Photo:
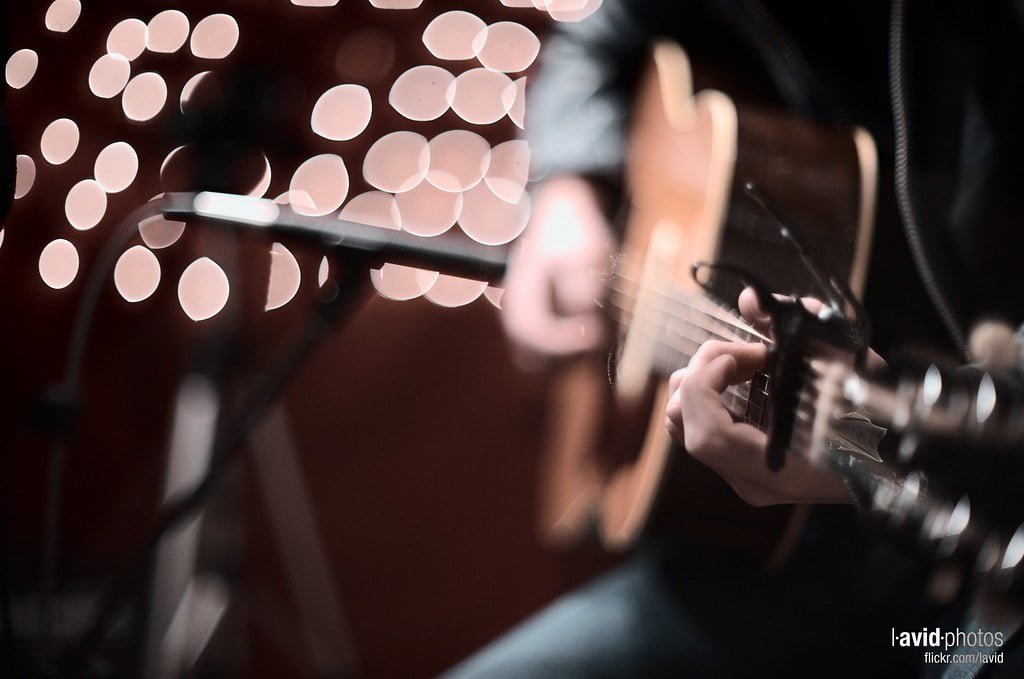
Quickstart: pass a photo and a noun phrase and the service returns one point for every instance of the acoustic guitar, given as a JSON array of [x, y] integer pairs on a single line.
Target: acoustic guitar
[[610, 465]]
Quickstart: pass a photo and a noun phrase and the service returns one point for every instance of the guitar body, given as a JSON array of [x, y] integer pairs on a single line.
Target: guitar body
[[610, 464]]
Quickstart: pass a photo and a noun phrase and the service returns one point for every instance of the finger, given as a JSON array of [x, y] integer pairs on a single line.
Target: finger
[[752, 312], [749, 357], [675, 431], [673, 409], [577, 289], [874, 362], [715, 375], [535, 328], [750, 309], [812, 304], [676, 378]]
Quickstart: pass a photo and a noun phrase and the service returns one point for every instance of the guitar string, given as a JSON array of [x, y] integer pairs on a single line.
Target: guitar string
[[676, 294], [728, 328], [679, 355], [670, 355], [697, 302], [738, 395], [676, 351], [719, 331], [677, 308]]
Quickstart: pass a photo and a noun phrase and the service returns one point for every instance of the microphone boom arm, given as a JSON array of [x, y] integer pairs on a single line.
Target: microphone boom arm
[[448, 254]]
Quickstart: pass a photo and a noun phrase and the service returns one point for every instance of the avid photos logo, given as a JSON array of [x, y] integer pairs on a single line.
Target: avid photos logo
[[972, 646]]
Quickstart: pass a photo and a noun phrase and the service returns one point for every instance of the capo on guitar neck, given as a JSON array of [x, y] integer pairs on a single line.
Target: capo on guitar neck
[[840, 324]]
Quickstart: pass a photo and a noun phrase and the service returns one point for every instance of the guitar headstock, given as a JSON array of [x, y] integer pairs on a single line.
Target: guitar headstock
[[952, 480]]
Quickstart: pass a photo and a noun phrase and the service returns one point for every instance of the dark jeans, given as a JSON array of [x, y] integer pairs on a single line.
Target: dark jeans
[[677, 610]]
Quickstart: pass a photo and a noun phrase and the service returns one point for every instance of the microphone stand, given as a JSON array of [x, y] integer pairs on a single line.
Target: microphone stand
[[364, 247]]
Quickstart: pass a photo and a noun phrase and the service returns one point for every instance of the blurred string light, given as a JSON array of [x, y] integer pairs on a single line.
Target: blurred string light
[[285, 277], [427, 187], [137, 274], [26, 175], [62, 15], [342, 112], [116, 167], [59, 141]]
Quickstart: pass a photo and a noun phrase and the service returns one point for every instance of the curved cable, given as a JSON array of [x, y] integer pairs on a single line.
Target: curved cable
[[901, 172]]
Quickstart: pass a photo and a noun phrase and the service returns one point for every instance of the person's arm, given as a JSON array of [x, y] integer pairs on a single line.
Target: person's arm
[[578, 107], [577, 119]]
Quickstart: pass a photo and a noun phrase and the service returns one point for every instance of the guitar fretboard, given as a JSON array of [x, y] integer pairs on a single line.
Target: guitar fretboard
[[682, 322]]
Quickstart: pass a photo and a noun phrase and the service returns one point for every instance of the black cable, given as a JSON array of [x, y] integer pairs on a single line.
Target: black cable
[[59, 409], [902, 179], [225, 451]]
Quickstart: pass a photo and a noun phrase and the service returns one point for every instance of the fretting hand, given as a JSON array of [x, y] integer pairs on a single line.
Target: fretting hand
[[697, 418]]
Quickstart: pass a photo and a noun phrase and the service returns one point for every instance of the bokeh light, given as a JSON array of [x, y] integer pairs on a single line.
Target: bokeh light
[[178, 169], [261, 187], [158, 232], [285, 277], [572, 10], [127, 38], [116, 167], [59, 141], [509, 170], [144, 96], [203, 289], [506, 46], [421, 92], [324, 180], [458, 160], [396, 4], [189, 88], [109, 75], [402, 283], [375, 208], [167, 31], [427, 210], [215, 37], [451, 35], [423, 187], [86, 204], [25, 175], [494, 295], [323, 272], [62, 15], [476, 96], [488, 219], [21, 67], [451, 291], [342, 112], [513, 98], [397, 162], [136, 274], [58, 264]]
